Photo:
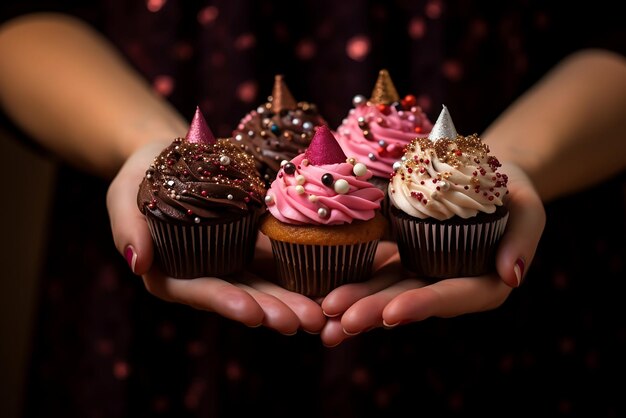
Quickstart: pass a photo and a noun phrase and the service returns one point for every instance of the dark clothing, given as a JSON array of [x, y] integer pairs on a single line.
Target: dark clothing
[[104, 347]]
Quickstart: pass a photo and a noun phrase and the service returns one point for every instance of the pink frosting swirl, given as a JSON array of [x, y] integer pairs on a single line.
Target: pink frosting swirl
[[299, 195], [378, 134]]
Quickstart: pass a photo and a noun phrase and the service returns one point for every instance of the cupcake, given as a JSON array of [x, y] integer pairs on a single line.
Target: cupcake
[[378, 129], [447, 201], [324, 222], [202, 198], [277, 130]]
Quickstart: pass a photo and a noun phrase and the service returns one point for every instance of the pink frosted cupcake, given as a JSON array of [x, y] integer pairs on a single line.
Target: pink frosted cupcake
[[448, 207], [202, 198], [378, 129], [324, 222]]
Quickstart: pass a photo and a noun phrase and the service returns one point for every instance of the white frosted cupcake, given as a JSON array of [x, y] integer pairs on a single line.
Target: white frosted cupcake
[[448, 204]]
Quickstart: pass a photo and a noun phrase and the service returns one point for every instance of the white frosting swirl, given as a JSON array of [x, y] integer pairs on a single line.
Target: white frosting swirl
[[451, 177]]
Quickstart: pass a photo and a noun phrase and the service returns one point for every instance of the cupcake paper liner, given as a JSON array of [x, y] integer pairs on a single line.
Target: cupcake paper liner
[[188, 251], [439, 250], [314, 270]]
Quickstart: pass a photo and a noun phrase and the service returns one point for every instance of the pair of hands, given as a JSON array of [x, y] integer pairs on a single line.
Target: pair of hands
[[391, 297]]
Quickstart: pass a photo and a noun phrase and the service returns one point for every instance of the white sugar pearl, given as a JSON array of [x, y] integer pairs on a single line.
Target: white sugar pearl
[[322, 212], [224, 160], [342, 186], [300, 179], [299, 189], [359, 169]]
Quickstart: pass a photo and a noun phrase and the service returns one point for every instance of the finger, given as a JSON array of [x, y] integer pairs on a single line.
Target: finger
[[332, 334], [128, 226], [446, 298], [526, 222], [341, 298], [385, 252], [309, 313], [277, 315], [207, 293], [367, 313]]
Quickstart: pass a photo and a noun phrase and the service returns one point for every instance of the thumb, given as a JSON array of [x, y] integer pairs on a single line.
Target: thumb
[[128, 225], [527, 219]]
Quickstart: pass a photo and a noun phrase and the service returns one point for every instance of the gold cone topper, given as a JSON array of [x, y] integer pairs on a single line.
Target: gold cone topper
[[281, 96], [384, 91]]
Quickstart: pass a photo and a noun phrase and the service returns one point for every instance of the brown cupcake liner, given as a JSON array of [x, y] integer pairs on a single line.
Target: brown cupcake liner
[[315, 270], [188, 251], [438, 250]]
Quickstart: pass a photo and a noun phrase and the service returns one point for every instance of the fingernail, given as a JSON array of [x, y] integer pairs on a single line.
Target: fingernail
[[386, 325], [131, 257], [289, 334], [330, 315], [332, 345], [350, 334], [518, 268]]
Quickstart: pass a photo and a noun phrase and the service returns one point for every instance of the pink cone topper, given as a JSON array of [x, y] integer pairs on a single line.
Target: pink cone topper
[[199, 131], [324, 148]]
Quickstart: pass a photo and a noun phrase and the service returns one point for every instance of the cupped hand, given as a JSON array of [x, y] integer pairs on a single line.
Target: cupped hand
[[394, 296], [245, 298]]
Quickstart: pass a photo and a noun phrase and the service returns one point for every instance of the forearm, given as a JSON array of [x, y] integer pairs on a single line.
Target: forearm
[[568, 131], [69, 89]]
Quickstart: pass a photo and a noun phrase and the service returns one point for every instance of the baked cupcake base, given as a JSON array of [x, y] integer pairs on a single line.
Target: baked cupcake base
[[455, 247], [313, 260]]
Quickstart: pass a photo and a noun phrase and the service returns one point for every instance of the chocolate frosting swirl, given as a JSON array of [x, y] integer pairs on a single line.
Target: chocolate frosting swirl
[[273, 137], [200, 183]]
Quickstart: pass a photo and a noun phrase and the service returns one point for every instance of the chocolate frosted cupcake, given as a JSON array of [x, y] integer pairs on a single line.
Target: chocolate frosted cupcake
[[277, 130], [377, 129], [202, 199], [324, 222], [447, 204]]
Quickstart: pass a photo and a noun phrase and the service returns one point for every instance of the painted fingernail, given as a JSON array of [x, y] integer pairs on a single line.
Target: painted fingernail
[[518, 268], [131, 257]]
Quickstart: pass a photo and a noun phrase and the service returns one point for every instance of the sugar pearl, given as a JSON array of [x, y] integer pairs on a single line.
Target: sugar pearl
[[299, 189], [322, 212], [224, 160], [359, 169], [300, 179], [312, 198], [396, 166], [269, 199], [358, 100], [342, 186]]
